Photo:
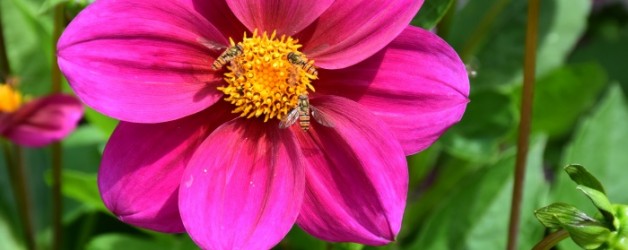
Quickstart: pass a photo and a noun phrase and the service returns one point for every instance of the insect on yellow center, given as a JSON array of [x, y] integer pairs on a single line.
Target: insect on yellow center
[[265, 75], [10, 99]]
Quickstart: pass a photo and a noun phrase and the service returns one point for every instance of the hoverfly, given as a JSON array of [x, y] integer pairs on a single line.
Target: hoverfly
[[302, 113], [296, 60], [227, 56]]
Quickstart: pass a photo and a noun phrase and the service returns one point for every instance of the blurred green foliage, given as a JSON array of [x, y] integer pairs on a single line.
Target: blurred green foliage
[[460, 188]]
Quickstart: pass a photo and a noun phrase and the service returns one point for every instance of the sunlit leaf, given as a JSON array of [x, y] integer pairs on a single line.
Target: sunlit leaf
[[431, 13]]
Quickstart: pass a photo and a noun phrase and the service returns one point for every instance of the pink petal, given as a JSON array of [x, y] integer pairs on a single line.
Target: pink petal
[[353, 30], [219, 14], [244, 187], [356, 179], [142, 166], [141, 61], [418, 85], [43, 121], [286, 16]]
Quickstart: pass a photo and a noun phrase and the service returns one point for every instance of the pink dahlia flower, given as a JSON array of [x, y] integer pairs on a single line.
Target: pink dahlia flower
[[204, 144], [38, 122]]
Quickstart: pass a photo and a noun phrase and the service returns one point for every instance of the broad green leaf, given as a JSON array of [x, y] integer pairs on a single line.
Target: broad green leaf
[[599, 143], [82, 187], [489, 118], [581, 176], [562, 95], [557, 215], [492, 32], [28, 37], [474, 216], [431, 13]]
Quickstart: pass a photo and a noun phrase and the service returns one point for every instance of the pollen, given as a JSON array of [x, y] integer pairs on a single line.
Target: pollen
[[10, 99], [261, 80]]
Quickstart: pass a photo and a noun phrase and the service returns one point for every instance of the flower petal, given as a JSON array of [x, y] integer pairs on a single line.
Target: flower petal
[[141, 61], [43, 121], [142, 166], [356, 179], [353, 30], [286, 16], [219, 14], [243, 188], [417, 85]]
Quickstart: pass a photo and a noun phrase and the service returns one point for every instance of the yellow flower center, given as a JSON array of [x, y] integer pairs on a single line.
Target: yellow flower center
[[10, 99], [265, 75]]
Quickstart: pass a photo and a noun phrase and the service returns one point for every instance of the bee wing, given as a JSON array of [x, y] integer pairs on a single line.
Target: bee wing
[[290, 119], [321, 118], [213, 45]]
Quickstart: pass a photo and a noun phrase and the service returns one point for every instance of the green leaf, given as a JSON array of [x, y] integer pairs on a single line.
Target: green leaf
[[81, 187], [479, 133], [299, 240], [104, 123], [431, 13], [473, 215], [497, 44], [588, 236], [28, 38], [606, 44], [600, 144], [581, 176], [562, 95], [602, 203], [559, 214]]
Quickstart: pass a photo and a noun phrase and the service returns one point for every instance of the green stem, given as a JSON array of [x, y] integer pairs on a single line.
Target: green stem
[[526, 119], [5, 68], [15, 166], [551, 240], [57, 157], [482, 30]]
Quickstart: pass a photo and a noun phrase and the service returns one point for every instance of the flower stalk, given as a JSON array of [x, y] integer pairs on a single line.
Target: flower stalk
[[57, 201], [551, 240], [15, 166], [525, 121]]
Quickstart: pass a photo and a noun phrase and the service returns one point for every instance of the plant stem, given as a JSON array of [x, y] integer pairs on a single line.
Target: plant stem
[[525, 121], [57, 157], [15, 166], [5, 68], [551, 240]]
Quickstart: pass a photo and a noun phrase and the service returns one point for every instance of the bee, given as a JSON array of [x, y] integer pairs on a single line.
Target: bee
[[302, 113], [227, 56], [303, 64]]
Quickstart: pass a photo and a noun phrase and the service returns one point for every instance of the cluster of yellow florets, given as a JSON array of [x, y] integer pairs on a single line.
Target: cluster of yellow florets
[[261, 81]]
